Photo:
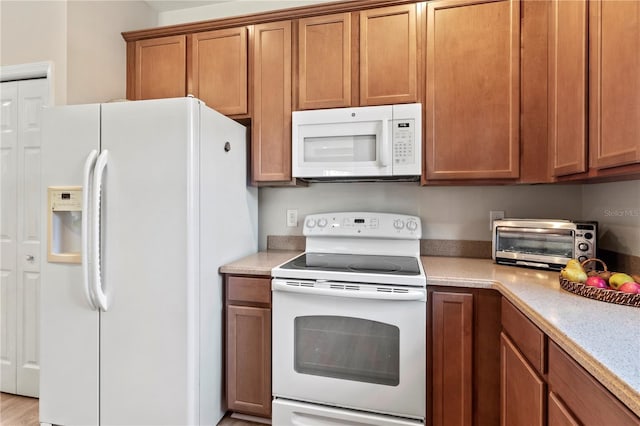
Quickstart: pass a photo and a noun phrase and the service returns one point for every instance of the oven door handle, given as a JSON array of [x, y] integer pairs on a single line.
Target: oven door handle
[[404, 296]]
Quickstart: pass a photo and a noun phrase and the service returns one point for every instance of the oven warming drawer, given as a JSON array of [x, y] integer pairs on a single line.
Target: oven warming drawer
[[303, 414]]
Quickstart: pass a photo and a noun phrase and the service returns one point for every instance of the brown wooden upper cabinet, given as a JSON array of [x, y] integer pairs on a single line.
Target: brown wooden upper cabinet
[[568, 46], [388, 55], [472, 89], [210, 65], [614, 83], [160, 68], [271, 116], [385, 40], [324, 61], [219, 69]]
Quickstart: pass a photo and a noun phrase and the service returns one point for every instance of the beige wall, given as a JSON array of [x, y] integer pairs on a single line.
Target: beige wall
[[35, 31], [616, 207], [230, 8], [96, 52], [462, 212], [81, 38], [450, 213]]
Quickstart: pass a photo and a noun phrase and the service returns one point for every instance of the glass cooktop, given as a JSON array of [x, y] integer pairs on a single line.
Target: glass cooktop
[[371, 264]]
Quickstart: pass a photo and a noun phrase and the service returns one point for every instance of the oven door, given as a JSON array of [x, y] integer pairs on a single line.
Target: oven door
[[359, 346]]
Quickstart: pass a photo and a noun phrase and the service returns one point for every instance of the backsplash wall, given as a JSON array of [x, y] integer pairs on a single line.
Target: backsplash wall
[[448, 213], [616, 207]]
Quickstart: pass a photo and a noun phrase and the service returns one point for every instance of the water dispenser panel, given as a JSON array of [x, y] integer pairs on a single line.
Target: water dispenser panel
[[65, 224]]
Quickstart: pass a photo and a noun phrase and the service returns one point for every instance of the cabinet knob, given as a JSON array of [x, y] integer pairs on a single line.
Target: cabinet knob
[[30, 258]]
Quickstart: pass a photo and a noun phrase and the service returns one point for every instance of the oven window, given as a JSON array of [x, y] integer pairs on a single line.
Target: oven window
[[347, 348], [549, 243]]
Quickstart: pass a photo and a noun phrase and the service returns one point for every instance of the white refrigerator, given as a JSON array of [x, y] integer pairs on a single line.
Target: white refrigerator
[[133, 335]]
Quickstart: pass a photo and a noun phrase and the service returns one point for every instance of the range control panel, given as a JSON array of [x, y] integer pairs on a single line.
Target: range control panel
[[361, 224]]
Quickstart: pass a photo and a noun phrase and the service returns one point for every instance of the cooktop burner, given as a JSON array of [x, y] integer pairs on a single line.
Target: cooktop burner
[[389, 265]]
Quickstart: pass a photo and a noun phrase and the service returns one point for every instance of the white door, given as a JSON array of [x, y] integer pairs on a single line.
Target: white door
[[20, 234], [148, 335], [70, 326]]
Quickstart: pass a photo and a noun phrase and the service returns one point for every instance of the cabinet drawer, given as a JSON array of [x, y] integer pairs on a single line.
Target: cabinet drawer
[[529, 338], [584, 395], [249, 290]]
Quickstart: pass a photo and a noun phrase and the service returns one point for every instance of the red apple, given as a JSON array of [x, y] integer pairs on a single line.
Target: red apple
[[630, 287], [596, 282]]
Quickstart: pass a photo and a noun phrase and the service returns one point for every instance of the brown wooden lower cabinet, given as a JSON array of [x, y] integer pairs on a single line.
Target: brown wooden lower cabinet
[[590, 402], [542, 385], [523, 391], [558, 413], [463, 359], [248, 345]]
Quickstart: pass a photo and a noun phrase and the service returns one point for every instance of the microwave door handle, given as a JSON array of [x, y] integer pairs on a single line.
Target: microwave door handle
[[385, 150], [353, 294]]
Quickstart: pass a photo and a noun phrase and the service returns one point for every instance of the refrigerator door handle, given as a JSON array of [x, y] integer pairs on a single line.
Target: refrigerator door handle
[[98, 291], [85, 254]]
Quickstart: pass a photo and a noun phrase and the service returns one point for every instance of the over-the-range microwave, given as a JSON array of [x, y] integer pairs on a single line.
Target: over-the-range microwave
[[377, 142]]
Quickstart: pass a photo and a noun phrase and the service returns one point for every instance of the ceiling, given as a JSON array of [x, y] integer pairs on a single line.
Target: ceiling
[[166, 5]]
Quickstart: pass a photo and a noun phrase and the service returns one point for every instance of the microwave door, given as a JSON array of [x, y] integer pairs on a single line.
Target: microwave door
[[342, 150]]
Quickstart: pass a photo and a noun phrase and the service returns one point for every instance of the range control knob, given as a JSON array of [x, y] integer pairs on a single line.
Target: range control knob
[[412, 225], [311, 223], [583, 246], [322, 222], [398, 224]]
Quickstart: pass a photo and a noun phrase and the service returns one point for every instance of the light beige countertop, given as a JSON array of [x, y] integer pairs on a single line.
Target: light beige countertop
[[604, 338], [259, 263]]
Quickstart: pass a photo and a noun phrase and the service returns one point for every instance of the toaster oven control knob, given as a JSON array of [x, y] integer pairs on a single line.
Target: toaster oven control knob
[[582, 258], [583, 246], [412, 225], [588, 235], [311, 223], [398, 224], [322, 222]]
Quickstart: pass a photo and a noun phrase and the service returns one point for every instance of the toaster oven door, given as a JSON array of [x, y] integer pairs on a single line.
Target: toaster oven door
[[542, 247]]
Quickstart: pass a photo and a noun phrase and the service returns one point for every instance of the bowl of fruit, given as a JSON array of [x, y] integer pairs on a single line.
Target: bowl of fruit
[[599, 283]]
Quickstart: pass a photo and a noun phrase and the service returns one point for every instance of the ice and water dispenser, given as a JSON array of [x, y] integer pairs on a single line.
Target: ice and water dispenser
[[64, 224]]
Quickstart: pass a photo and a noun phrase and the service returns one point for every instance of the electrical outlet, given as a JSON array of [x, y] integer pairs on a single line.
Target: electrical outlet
[[495, 215], [292, 218]]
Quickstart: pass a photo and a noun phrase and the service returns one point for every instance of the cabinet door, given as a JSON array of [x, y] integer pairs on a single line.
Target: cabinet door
[[558, 413], [160, 68], [249, 360], [590, 402], [473, 89], [522, 391], [452, 331], [271, 121], [614, 116], [324, 61], [219, 69], [388, 55], [568, 40]]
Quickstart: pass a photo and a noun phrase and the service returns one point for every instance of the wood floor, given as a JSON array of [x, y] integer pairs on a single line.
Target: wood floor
[[22, 411], [18, 410]]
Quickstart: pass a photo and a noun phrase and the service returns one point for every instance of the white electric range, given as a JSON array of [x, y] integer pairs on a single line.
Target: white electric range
[[349, 323]]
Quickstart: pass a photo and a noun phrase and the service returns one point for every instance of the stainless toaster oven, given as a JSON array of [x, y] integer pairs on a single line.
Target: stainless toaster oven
[[542, 243]]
